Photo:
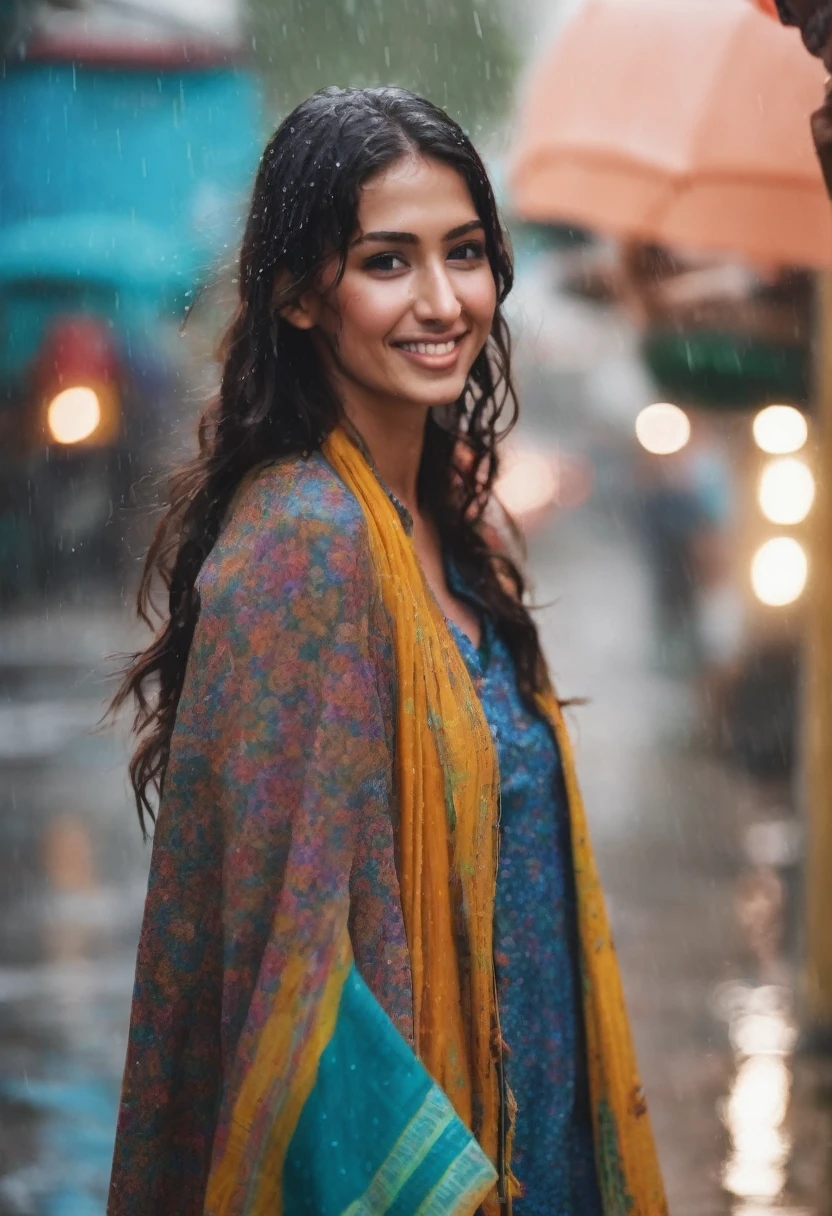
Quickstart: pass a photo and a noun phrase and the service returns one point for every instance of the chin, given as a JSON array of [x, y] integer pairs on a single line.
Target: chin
[[430, 396]]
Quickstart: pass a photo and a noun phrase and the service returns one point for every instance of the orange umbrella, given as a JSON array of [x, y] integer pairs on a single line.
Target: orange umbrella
[[684, 123]]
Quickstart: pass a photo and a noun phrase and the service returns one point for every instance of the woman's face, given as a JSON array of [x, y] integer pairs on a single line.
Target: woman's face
[[415, 305]]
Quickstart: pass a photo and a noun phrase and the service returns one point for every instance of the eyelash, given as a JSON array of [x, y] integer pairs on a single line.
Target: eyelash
[[375, 263], [477, 248]]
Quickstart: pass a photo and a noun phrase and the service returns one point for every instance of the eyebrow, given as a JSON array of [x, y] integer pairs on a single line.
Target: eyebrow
[[410, 238]]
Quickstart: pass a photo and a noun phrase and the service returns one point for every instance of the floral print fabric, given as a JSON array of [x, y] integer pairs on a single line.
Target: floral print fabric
[[275, 825]]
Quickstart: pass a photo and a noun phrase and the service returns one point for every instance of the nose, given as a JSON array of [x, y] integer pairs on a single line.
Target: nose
[[437, 303]]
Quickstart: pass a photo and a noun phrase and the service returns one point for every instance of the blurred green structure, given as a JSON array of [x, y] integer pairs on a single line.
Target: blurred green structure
[[460, 53], [721, 370]]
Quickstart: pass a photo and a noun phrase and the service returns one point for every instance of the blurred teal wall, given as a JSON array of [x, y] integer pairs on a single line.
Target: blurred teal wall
[[119, 188]]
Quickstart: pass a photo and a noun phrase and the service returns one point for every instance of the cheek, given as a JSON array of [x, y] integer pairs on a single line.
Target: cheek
[[369, 312], [479, 299]]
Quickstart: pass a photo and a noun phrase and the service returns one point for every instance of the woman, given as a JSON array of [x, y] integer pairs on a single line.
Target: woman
[[341, 990]]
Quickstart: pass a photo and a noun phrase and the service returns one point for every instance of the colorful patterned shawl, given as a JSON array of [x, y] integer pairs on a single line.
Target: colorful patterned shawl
[[321, 895]]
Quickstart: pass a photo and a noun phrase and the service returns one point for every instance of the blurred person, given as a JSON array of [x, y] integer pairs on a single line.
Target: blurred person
[[373, 922], [814, 20], [684, 511], [672, 516], [822, 135]]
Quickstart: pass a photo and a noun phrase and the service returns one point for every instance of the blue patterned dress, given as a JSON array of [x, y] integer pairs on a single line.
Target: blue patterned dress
[[536, 946]]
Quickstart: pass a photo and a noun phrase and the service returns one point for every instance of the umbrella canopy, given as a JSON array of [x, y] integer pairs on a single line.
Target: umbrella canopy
[[682, 123]]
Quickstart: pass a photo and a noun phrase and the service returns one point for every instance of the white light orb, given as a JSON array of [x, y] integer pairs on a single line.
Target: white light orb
[[780, 429], [778, 571], [662, 428], [786, 490]]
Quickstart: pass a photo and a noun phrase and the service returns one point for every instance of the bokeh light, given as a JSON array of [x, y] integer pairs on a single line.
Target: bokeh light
[[780, 429], [662, 428], [786, 490], [74, 415], [529, 483], [778, 571]]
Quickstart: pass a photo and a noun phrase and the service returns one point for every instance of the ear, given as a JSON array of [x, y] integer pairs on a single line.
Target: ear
[[301, 311]]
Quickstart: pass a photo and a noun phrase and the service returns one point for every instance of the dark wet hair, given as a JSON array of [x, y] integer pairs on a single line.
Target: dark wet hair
[[276, 400]]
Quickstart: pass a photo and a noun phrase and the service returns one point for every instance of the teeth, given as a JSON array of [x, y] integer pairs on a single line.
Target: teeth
[[430, 348]]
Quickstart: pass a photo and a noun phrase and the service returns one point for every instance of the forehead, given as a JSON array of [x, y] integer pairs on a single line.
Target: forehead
[[415, 194]]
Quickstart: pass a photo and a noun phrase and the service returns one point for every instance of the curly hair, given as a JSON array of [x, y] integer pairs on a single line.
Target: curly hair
[[275, 399]]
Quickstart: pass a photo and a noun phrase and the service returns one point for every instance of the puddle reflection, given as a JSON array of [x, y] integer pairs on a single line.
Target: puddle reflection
[[755, 1112]]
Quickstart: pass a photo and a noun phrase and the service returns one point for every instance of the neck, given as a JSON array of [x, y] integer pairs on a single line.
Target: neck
[[394, 432]]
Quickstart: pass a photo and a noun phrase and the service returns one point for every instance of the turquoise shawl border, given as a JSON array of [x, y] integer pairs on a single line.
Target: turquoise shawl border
[[377, 1134]]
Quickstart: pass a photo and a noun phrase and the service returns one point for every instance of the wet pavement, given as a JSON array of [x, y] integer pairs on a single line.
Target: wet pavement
[[72, 876], [697, 859], [699, 866]]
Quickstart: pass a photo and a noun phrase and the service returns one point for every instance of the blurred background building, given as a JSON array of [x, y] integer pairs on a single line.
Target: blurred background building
[[669, 472]]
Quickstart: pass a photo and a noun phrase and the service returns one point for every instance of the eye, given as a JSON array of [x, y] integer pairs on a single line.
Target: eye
[[469, 251], [385, 262]]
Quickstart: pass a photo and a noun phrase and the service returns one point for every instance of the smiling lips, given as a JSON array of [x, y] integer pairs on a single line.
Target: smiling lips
[[439, 355]]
